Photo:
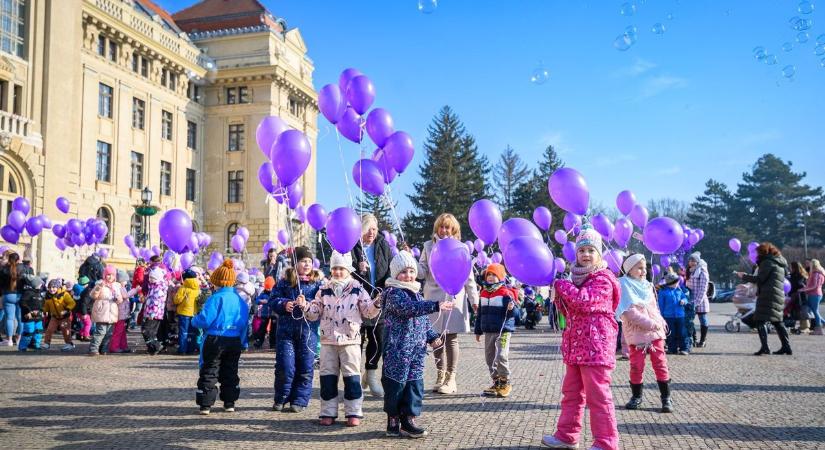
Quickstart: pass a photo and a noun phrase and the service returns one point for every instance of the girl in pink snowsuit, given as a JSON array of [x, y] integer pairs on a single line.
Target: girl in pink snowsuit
[[589, 303]]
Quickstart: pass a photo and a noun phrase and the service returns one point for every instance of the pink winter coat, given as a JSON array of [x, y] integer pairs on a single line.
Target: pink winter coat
[[643, 324], [590, 336], [341, 317]]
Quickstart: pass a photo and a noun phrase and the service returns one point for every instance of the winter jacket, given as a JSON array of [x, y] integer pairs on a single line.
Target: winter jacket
[[246, 291], [672, 302], [590, 336], [643, 324], [697, 283], [224, 314], [139, 276], [262, 304], [155, 300], [292, 324], [383, 256], [76, 291], [275, 270], [797, 292], [460, 318], [407, 332], [493, 316], [86, 301], [92, 268], [106, 302], [23, 271], [186, 297], [814, 285], [341, 317], [59, 305], [31, 307], [770, 288]]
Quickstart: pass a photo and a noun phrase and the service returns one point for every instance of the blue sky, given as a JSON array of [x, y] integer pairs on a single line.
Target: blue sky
[[660, 119]]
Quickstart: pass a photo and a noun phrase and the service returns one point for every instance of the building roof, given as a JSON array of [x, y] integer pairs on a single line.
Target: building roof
[[150, 7], [211, 15]]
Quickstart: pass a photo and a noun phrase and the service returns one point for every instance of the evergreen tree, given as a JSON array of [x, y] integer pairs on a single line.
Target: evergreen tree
[[711, 212], [452, 177], [379, 207], [508, 174]]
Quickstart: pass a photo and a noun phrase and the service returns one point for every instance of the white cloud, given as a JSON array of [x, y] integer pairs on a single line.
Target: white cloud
[[639, 67], [669, 171], [658, 84]]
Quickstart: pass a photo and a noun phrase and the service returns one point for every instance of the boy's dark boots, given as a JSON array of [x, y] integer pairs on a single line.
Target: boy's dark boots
[[393, 426], [636, 399], [763, 338], [410, 429], [664, 390], [703, 333]]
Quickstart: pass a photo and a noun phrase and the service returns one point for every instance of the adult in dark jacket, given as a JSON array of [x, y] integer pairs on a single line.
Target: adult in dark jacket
[[92, 268], [371, 258], [770, 298], [13, 280]]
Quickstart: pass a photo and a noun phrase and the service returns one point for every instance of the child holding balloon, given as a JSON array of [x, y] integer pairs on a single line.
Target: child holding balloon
[[496, 323], [589, 300]]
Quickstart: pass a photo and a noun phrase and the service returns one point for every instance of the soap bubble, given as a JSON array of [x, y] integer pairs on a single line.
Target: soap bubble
[[820, 39], [794, 21], [627, 9], [803, 24], [770, 60], [427, 6], [789, 71], [822, 62], [805, 7], [669, 16], [658, 28], [759, 53], [802, 37], [623, 42], [819, 50], [751, 209], [540, 75], [787, 47]]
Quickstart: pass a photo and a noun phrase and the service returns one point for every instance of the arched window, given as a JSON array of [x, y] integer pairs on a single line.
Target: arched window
[[136, 228], [230, 232], [9, 188], [104, 215]]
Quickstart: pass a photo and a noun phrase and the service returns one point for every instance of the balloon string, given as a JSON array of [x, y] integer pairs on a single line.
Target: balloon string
[[388, 199]]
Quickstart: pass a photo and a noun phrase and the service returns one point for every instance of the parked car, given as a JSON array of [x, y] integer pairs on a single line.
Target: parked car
[[725, 296]]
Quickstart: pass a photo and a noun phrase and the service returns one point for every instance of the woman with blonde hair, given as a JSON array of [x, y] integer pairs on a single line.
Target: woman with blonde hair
[[814, 290], [458, 321]]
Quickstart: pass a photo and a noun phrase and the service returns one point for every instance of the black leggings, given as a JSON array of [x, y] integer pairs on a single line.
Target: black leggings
[[374, 337]]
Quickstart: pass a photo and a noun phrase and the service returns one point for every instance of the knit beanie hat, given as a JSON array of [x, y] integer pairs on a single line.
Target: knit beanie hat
[[224, 275], [122, 276], [110, 269], [589, 236], [302, 253], [188, 273], [631, 261], [343, 261], [83, 281], [56, 283], [671, 278], [269, 283], [497, 270], [695, 256], [242, 277], [401, 261]]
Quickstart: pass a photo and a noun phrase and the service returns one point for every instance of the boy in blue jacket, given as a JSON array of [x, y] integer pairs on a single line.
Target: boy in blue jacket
[[496, 323], [224, 319], [672, 301]]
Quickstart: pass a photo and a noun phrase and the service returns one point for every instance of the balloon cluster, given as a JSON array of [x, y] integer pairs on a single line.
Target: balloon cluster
[[735, 245], [175, 228], [16, 222], [288, 154], [78, 233]]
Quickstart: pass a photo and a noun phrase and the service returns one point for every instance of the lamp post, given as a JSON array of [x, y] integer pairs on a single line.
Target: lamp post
[[805, 230], [145, 210]]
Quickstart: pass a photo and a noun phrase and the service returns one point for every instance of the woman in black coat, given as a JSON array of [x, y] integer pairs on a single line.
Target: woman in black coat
[[770, 298]]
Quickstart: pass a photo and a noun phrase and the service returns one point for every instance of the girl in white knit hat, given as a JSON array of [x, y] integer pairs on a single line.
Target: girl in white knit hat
[[341, 303]]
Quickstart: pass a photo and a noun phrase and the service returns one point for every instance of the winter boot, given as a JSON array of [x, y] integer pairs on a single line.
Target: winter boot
[[664, 390], [493, 389], [393, 427], [449, 386], [439, 381], [410, 429], [785, 339], [763, 338], [376, 390], [636, 399], [703, 333], [504, 387]]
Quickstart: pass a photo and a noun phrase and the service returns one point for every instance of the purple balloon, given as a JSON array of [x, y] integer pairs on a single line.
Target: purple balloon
[[639, 216], [75, 226], [268, 132], [100, 230], [625, 201], [300, 214], [192, 246], [175, 229], [345, 77], [568, 190], [786, 286], [663, 235], [542, 218], [47, 223], [569, 251], [380, 126], [331, 102], [469, 245], [367, 175], [560, 236], [497, 258], [485, 220], [735, 245], [266, 176], [656, 269], [530, 262], [515, 228], [154, 251], [602, 224], [392, 240], [343, 229], [360, 93], [693, 238], [664, 260], [62, 204], [753, 257], [416, 252], [317, 217], [571, 221], [450, 264], [478, 245], [269, 245], [614, 260], [60, 244], [237, 243], [559, 265], [16, 220], [350, 126], [129, 240], [283, 237], [316, 264], [79, 239], [295, 195], [380, 158], [215, 261], [399, 150], [59, 231], [9, 234], [34, 226], [243, 232], [290, 156], [752, 246], [186, 260], [622, 231], [21, 204], [701, 233]]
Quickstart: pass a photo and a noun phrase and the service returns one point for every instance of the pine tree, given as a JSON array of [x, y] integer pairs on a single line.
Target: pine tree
[[508, 174], [711, 212], [378, 207], [452, 177]]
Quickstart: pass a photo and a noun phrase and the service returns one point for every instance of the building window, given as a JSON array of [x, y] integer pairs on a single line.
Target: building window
[[231, 96], [135, 62], [193, 91], [243, 94], [13, 29], [104, 101], [164, 76], [138, 113], [166, 125], [144, 67], [104, 215], [136, 228], [191, 135], [8, 190], [101, 45], [165, 178], [294, 107], [17, 100], [236, 139], [173, 81], [104, 161], [230, 232], [113, 51], [235, 186], [191, 181], [137, 170]]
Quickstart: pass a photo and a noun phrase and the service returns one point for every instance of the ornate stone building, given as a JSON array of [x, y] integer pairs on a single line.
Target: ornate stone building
[[100, 99]]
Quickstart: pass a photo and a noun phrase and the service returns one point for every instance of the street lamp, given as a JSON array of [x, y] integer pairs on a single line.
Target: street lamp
[[805, 230], [145, 210]]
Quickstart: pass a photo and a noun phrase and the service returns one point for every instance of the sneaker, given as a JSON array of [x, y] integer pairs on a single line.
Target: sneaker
[[410, 429], [229, 407], [393, 427], [4, 343], [205, 410], [278, 406], [684, 352], [294, 408], [326, 421], [552, 442], [43, 346], [504, 388], [93, 354], [492, 391], [67, 348], [353, 421]]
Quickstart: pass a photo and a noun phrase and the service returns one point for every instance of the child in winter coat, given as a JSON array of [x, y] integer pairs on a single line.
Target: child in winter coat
[[31, 313], [672, 301], [119, 342], [107, 294], [407, 332], [185, 300], [644, 330], [154, 308], [224, 318], [58, 305], [496, 322], [341, 303], [532, 308], [297, 336], [263, 317], [588, 301]]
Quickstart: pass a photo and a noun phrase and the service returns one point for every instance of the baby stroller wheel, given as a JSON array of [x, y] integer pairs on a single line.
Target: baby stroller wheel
[[730, 326]]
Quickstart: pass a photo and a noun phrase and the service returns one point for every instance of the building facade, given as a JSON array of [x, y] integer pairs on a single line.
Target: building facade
[[101, 99]]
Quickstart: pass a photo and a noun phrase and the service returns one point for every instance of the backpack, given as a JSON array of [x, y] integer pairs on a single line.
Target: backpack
[[92, 269]]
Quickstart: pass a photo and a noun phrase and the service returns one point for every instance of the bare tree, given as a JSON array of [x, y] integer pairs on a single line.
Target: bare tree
[[508, 173], [670, 207]]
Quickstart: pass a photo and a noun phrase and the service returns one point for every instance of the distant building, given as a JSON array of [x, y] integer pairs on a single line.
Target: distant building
[[102, 98]]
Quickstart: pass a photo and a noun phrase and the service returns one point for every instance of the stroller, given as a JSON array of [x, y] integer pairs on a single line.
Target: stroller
[[744, 298]]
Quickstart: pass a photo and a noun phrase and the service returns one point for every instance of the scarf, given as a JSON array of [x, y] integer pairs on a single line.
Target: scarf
[[579, 273], [634, 292], [491, 287], [338, 286], [413, 286]]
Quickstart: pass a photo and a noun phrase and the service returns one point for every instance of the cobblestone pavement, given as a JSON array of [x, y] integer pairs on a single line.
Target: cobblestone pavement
[[725, 399]]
